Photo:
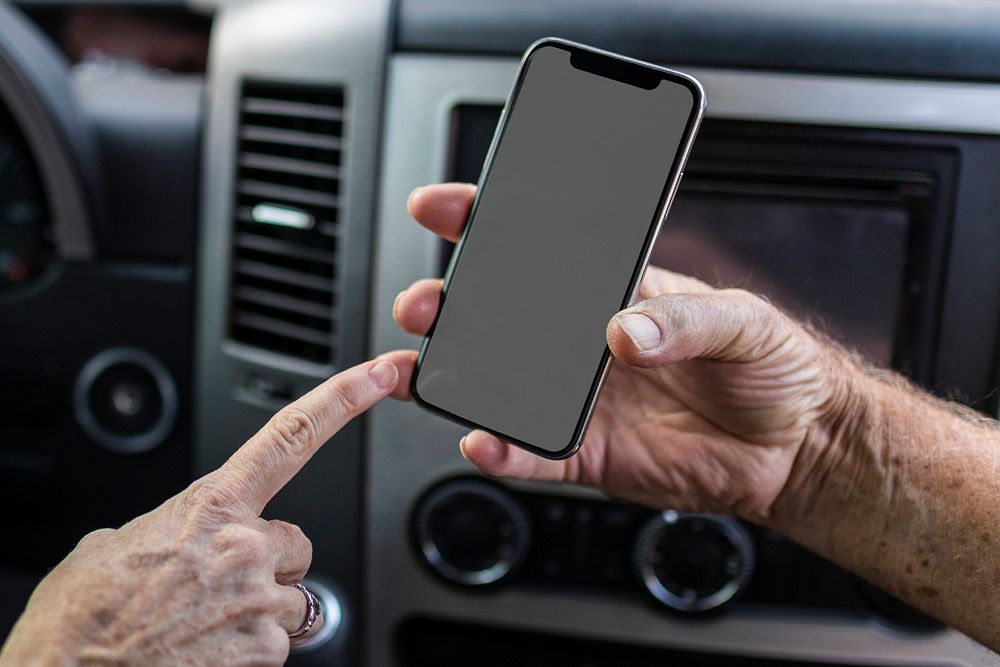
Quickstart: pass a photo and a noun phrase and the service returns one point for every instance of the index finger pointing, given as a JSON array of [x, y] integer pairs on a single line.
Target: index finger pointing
[[268, 460], [442, 208]]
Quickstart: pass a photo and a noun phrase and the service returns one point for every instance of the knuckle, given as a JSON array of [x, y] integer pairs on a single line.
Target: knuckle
[[253, 585], [260, 643], [96, 538], [760, 326], [749, 301], [197, 489], [307, 546], [757, 310], [737, 294], [293, 432], [293, 535], [270, 600], [198, 494], [351, 398], [672, 312], [241, 545], [212, 498], [744, 309], [272, 644]]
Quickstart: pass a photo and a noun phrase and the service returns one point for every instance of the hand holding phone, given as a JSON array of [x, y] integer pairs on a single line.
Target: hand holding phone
[[586, 159], [710, 415]]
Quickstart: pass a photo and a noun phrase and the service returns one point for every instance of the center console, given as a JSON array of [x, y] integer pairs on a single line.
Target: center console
[[479, 535]]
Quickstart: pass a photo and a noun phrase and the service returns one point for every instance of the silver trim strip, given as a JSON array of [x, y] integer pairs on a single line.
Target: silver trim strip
[[817, 99], [813, 99]]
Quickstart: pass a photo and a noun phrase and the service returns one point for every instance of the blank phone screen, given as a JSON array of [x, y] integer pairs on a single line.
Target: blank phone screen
[[553, 243]]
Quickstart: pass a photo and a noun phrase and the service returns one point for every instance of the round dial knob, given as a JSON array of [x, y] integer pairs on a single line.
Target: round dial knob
[[694, 562], [472, 532]]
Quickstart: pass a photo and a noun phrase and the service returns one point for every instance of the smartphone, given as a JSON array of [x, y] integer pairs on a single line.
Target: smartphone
[[585, 161]]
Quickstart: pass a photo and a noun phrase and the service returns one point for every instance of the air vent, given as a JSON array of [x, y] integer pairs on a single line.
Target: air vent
[[286, 233]]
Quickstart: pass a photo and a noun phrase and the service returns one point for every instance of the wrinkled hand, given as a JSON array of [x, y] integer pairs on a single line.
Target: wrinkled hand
[[202, 579], [716, 400]]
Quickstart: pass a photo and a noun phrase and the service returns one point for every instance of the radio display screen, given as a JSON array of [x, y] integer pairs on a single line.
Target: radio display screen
[[839, 266], [831, 254]]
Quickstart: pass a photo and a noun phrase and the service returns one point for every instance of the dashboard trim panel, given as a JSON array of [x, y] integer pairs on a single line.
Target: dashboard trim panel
[[329, 43]]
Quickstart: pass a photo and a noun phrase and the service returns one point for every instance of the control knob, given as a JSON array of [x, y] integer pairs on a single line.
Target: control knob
[[693, 563], [471, 531]]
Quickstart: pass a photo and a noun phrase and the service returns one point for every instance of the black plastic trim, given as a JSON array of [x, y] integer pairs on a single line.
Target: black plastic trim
[[937, 39]]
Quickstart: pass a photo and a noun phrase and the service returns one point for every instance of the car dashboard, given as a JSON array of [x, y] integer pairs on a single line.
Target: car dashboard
[[183, 253]]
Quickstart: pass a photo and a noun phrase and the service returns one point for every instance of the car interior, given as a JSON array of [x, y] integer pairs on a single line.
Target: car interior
[[203, 215]]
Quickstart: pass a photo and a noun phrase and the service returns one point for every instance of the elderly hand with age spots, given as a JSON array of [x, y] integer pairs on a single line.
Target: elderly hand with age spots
[[717, 401], [738, 390], [202, 579]]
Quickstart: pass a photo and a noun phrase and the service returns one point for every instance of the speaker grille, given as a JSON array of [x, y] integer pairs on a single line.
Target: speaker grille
[[286, 230]]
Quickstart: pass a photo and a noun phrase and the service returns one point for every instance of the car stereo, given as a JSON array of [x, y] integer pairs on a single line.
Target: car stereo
[[847, 236], [846, 229], [474, 533]]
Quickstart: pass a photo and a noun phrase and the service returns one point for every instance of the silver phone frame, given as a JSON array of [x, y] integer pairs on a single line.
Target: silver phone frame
[[676, 173]]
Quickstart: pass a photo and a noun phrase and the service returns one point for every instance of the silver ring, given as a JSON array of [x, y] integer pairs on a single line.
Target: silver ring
[[314, 612]]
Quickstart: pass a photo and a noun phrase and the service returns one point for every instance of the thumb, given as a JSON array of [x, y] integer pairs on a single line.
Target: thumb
[[724, 325]]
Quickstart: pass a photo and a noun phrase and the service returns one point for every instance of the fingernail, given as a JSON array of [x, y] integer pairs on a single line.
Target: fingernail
[[643, 331], [395, 302], [413, 195], [461, 447], [383, 374]]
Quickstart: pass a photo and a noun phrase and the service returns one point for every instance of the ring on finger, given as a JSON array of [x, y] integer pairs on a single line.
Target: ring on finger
[[313, 618]]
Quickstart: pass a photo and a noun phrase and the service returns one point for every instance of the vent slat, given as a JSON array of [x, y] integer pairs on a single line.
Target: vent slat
[[284, 295], [264, 190], [289, 137], [279, 107], [327, 229], [288, 165], [290, 276], [281, 328], [250, 241], [324, 227], [282, 302]]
